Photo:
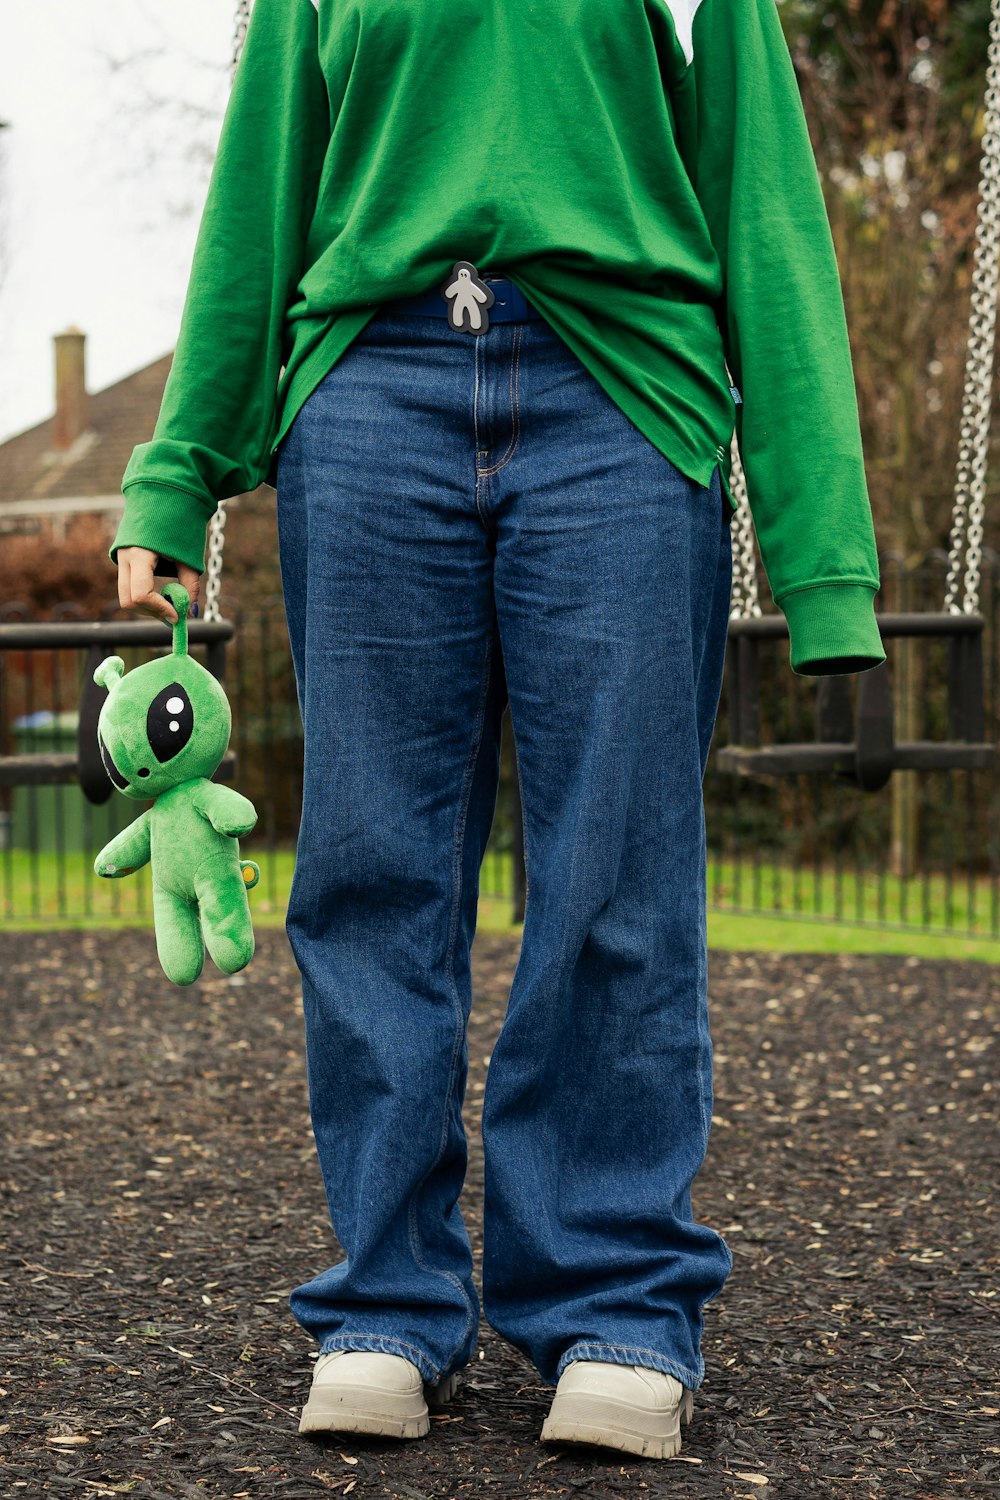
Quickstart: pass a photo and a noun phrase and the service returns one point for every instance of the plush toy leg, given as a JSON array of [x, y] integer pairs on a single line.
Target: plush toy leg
[[225, 916], [179, 942]]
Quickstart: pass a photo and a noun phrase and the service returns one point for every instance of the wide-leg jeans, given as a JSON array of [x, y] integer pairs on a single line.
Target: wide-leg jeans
[[465, 520]]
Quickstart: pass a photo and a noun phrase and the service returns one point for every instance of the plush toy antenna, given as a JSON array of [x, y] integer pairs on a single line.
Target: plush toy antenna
[[180, 599], [108, 672]]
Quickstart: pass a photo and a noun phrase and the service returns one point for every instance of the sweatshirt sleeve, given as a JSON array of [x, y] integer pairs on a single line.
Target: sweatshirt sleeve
[[214, 431], [745, 140]]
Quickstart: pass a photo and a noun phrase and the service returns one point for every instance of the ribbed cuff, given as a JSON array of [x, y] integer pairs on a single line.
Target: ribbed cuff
[[167, 520], [832, 629]]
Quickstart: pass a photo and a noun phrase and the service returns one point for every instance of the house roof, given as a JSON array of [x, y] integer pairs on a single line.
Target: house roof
[[116, 419]]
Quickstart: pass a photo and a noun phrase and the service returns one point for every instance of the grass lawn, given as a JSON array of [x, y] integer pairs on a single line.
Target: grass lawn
[[780, 910]]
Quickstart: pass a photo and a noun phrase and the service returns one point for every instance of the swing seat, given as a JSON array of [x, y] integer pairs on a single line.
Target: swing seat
[[855, 740]]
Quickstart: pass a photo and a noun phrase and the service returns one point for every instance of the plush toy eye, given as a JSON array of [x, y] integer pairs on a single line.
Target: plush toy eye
[[169, 722]]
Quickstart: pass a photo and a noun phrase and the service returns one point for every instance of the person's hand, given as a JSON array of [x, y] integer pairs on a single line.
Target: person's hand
[[136, 566]]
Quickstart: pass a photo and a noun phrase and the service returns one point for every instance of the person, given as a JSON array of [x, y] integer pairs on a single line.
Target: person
[[534, 509]]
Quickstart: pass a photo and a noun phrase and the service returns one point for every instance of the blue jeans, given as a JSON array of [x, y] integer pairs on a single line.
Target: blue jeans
[[461, 519]]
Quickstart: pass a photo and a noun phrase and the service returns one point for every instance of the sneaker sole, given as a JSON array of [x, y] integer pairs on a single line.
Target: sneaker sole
[[380, 1413], [580, 1417], [438, 1395]]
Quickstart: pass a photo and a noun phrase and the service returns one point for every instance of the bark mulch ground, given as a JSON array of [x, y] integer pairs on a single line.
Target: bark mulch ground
[[161, 1197]]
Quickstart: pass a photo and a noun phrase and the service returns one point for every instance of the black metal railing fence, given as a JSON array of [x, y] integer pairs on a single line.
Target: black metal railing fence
[[922, 853]]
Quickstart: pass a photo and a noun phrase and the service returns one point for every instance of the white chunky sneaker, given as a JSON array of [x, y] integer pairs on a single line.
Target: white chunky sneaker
[[619, 1406], [362, 1390]]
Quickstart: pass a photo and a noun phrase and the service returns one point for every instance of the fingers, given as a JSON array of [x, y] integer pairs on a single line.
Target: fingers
[[191, 579], [136, 590]]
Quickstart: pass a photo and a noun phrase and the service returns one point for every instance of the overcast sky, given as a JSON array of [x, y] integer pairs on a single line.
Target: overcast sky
[[114, 109]]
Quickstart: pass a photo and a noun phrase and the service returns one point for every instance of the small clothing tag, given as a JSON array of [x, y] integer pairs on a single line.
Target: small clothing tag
[[737, 398]]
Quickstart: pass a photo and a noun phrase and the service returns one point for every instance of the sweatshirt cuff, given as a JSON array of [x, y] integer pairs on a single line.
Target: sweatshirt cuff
[[167, 520], [832, 629]]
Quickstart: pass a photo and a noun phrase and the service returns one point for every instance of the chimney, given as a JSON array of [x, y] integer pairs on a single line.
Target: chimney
[[71, 388]]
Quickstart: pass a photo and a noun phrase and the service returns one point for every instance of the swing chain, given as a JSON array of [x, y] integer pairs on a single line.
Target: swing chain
[[744, 597], [969, 505], [970, 480], [216, 542], [239, 34], [216, 530]]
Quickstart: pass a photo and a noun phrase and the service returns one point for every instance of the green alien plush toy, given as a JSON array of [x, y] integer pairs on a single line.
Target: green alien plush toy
[[163, 731]]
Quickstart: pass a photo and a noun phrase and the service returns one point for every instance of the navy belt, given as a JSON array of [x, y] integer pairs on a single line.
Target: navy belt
[[470, 300]]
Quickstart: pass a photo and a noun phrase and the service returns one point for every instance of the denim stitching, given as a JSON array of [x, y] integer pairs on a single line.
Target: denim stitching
[[481, 487], [622, 1349], [704, 1073], [515, 409], [725, 541], [421, 1361], [524, 814], [475, 404], [457, 857], [482, 491]]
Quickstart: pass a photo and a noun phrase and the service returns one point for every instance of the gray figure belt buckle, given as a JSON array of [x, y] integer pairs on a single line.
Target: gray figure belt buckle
[[468, 298]]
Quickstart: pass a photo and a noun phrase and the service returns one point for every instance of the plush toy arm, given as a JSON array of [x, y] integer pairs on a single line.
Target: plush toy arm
[[127, 851], [227, 810]]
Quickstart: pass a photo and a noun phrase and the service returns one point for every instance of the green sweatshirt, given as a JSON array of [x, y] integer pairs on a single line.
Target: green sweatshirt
[[641, 169]]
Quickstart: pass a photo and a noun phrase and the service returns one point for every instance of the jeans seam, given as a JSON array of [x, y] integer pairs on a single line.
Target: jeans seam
[[524, 815], [482, 491], [515, 411], [482, 483], [382, 1338], [620, 1348], [475, 407], [458, 849], [705, 1068]]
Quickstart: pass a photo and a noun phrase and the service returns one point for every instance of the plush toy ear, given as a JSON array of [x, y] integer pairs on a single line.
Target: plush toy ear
[[109, 672]]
